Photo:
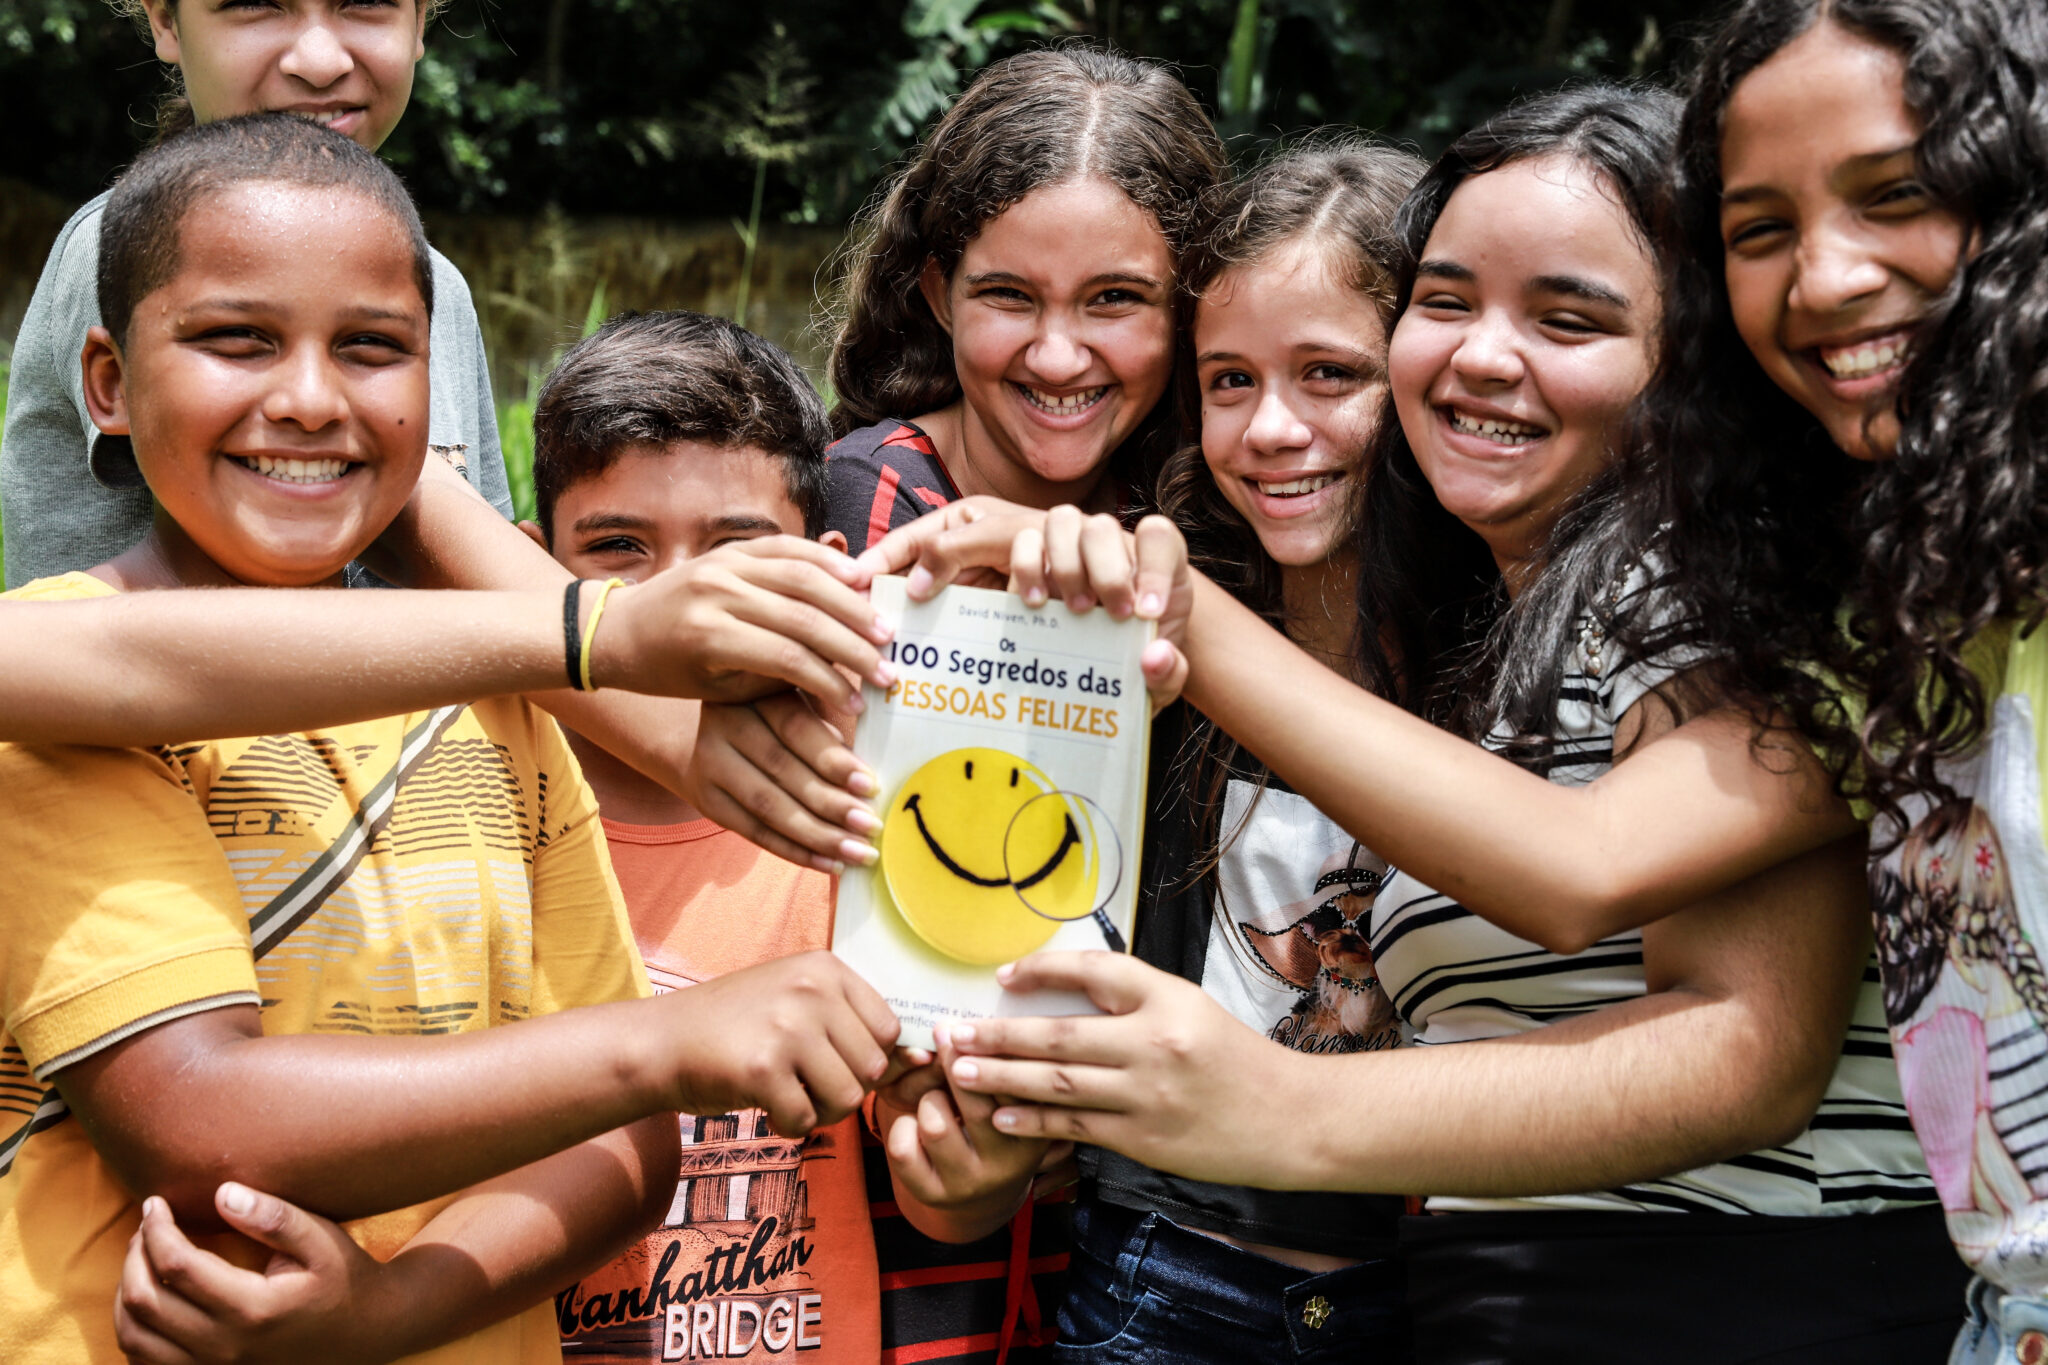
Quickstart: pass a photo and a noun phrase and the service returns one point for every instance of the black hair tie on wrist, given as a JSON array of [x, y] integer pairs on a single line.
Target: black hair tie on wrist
[[572, 631]]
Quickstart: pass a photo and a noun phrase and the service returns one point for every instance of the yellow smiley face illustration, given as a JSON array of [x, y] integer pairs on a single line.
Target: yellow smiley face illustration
[[973, 841]]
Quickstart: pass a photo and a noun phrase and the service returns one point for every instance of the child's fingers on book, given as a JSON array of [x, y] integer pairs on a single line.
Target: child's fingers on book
[[1115, 982], [907, 1159], [835, 1086], [811, 843], [1106, 559], [754, 650], [904, 1090], [801, 646], [801, 582], [1063, 527], [881, 1021], [1058, 1123], [814, 740], [1027, 566], [940, 1131], [974, 1109], [1073, 1084], [1162, 554], [801, 772]]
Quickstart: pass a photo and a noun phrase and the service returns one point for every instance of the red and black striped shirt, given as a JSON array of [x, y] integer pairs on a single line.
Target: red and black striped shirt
[[882, 477], [942, 1304]]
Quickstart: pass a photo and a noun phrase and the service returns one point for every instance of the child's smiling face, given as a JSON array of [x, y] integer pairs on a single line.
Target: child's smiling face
[[1528, 334], [347, 63], [1835, 251], [1291, 359], [1061, 314], [275, 387]]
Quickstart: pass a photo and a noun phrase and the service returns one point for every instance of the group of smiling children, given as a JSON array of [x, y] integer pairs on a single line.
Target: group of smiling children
[[1594, 572]]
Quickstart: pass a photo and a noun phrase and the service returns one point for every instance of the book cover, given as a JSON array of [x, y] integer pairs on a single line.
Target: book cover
[[1010, 758]]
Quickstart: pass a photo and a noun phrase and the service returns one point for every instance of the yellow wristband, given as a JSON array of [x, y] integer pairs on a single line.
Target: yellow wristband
[[590, 627]]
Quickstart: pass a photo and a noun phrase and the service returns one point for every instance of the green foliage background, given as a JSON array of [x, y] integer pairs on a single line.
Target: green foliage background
[[643, 106]]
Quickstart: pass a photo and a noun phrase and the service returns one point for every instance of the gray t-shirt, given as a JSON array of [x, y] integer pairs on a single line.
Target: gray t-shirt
[[70, 498]]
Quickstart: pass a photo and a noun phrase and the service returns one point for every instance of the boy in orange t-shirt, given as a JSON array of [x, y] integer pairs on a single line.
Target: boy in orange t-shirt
[[657, 438]]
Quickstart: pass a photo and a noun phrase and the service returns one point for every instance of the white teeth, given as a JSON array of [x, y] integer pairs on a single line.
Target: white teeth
[[1062, 403], [1495, 429], [1860, 362], [296, 471], [1295, 488]]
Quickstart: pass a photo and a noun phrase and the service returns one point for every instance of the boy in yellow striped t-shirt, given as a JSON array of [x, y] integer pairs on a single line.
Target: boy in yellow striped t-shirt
[[290, 961]]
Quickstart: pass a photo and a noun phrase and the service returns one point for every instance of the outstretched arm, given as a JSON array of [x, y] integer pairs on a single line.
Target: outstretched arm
[[493, 1251], [1729, 1053], [184, 665], [1690, 813], [449, 538], [351, 1126]]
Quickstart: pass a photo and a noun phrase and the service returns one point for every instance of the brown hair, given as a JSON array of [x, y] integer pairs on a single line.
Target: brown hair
[[658, 378], [1036, 119], [142, 226], [1341, 195]]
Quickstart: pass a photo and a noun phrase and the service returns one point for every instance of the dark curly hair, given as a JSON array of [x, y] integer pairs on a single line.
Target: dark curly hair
[[1768, 528], [1340, 193], [1036, 119], [1444, 639]]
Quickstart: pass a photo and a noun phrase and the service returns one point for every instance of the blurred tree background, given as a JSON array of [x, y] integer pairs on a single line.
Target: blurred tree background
[[580, 155]]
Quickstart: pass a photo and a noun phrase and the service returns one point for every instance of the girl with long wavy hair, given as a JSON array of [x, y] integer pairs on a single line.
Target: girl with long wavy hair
[[1007, 320], [1247, 889]]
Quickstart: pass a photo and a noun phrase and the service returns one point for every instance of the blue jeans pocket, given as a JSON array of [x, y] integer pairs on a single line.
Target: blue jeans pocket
[[1129, 1334]]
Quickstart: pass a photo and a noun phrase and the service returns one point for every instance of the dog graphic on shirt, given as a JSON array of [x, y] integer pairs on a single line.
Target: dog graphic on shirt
[[1325, 957]]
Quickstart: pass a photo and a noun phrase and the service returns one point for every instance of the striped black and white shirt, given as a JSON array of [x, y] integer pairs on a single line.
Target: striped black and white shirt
[[1455, 978]]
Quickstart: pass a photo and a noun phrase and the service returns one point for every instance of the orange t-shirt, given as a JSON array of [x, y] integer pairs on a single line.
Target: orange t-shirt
[[767, 1253]]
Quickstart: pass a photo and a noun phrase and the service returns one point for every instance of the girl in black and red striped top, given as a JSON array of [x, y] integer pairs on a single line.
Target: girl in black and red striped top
[[1009, 325]]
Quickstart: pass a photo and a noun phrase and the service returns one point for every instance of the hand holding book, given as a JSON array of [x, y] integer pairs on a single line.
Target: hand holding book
[[774, 772]]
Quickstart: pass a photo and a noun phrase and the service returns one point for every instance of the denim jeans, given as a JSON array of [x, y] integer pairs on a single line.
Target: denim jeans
[[1144, 1289], [2002, 1328]]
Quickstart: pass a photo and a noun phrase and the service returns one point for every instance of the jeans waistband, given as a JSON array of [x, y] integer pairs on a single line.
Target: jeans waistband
[[1229, 1282]]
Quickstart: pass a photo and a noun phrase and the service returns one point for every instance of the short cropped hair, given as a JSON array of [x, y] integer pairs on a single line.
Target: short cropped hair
[[656, 378], [142, 225]]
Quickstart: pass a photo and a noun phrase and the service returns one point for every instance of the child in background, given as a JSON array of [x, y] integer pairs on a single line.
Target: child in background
[[71, 494], [657, 439], [223, 957]]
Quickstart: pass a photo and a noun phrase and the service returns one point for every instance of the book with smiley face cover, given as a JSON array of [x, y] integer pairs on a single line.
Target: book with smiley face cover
[[1010, 758]]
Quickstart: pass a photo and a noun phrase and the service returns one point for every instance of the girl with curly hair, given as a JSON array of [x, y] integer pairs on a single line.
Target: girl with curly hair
[[1008, 315]]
